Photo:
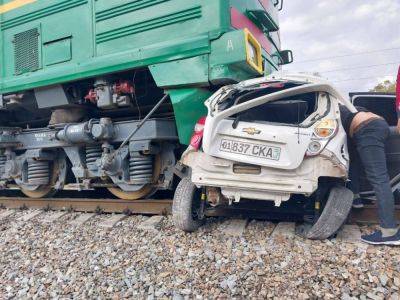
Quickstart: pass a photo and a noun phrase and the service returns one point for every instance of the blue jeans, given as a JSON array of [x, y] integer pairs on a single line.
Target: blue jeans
[[369, 153]]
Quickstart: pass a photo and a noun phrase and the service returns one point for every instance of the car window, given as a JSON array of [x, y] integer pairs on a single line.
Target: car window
[[251, 92], [385, 106], [294, 110]]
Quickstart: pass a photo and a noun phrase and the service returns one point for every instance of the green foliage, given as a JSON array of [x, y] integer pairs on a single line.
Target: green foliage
[[385, 87]]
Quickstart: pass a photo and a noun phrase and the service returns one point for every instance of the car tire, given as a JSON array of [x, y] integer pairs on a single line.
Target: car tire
[[334, 214], [186, 199]]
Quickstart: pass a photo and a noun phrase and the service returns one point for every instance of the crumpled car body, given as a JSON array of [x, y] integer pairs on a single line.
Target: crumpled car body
[[270, 138]]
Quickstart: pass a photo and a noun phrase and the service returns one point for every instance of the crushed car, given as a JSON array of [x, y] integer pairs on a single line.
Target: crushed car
[[269, 139]]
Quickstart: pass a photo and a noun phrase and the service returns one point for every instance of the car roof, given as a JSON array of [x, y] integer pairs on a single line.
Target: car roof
[[298, 78]]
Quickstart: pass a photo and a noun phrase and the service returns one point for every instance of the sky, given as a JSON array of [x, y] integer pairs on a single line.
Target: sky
[[318, 31]]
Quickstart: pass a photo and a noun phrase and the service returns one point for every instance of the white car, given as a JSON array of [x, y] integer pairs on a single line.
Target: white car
[[269, 139]]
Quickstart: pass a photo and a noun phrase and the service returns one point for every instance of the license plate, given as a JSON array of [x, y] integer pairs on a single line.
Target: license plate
[[250, 149]]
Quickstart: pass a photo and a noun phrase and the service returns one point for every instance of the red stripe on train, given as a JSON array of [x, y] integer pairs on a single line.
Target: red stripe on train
[[240, 21]]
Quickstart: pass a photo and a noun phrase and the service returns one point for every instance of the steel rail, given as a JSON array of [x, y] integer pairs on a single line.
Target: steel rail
[[146, 207], [366, 215]]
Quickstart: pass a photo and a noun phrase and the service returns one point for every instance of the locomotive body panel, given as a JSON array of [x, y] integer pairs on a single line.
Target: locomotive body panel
[[53, 41]]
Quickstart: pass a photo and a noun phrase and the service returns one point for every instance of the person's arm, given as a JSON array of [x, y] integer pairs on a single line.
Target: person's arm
[[398, 100]]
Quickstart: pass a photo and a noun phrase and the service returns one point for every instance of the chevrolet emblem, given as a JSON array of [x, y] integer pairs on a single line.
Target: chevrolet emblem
[[251, 131]]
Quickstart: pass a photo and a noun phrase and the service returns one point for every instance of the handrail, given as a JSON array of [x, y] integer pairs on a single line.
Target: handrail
[[280, 3]]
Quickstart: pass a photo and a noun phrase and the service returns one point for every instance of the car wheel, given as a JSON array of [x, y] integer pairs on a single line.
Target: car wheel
[[186, 207], [334, 214]]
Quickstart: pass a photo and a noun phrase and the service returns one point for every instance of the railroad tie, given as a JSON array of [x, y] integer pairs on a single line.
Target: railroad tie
[[7, 213], [53, 216], [349, 234], [234, 227], [29, 216], [284, 230], [151, 224], [112, 221], [82, 219]]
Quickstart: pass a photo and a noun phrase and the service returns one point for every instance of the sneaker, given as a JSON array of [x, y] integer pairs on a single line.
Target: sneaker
[[358, 203], [376, 238]]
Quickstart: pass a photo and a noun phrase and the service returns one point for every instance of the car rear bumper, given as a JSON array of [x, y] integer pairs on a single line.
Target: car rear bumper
[[262, 183]]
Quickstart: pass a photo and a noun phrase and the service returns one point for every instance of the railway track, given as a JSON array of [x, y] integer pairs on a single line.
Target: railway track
[[146, 207], [368, 214], [163, 207]]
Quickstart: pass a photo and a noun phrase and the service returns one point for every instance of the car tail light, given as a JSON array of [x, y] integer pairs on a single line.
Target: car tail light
[[325, 129], [314, 147], [197, 136]]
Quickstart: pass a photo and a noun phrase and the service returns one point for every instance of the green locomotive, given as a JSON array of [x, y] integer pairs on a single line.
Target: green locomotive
[[78, 76]]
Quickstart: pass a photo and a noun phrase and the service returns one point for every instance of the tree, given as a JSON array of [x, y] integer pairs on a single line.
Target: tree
[[385, 87]]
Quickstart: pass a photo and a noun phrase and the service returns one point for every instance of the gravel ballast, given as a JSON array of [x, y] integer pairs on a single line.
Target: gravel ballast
[[59, 260]]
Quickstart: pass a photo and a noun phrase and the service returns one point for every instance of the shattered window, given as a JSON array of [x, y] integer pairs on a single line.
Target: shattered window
[[293, 110]]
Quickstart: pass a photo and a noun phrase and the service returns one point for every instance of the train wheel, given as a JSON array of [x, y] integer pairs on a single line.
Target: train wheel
[[137, 195], [186, 206], [144, 192], [41, 192], [57, 173]]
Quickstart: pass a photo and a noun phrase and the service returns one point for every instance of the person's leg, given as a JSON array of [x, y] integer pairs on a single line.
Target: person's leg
[[370, 142], [354, 175], [374, 161]]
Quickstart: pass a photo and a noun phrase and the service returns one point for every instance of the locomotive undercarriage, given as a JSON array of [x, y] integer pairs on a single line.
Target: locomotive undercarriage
[[73, 138], [38, 160]]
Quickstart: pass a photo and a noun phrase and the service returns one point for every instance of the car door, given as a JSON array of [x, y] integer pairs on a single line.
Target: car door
[[385, 106]]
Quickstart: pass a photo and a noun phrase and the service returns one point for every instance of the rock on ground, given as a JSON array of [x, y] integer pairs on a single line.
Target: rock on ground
[[58, 260]]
